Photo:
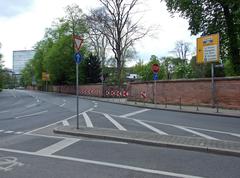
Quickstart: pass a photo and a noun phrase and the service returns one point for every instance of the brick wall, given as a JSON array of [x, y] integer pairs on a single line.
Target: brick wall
[[191, 92]]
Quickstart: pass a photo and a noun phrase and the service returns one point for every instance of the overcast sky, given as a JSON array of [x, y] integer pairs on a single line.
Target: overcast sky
[[23, 23]]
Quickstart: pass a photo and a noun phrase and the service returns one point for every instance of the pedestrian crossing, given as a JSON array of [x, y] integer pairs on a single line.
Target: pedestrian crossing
[[94, 119]]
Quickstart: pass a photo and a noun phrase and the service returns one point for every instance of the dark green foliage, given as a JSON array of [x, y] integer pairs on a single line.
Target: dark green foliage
[[213, 16], [93, 69]]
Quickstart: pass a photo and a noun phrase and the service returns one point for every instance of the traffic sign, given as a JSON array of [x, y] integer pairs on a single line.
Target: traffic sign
[[78, 41], [155, 76], [45, 76], [77, 57], [155, 68], [208, 49]]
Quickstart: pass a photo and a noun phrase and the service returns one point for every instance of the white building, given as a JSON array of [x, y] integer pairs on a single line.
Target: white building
[[20, 59]]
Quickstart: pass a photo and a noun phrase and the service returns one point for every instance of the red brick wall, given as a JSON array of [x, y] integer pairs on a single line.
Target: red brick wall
[[191, 92]]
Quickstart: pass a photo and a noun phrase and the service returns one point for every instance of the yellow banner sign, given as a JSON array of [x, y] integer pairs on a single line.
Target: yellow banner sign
[[45, 76], [208, 49]]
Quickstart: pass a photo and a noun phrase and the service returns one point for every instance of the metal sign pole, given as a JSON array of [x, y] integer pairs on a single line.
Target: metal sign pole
[[77, 94], [213, 87], [155, 91]]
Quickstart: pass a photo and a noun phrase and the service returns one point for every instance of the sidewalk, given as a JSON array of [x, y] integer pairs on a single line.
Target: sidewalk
[[146, 138], [188, 109]]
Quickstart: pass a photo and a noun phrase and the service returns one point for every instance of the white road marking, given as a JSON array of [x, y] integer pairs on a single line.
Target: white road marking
[[196, 133], [32, 105], [234, 134], [7, 163], [1, 130], [151, 127], [87, 120], [65, 123], [134, 113], [34, 114], [173, 125], [34, 130], [119, 126], [18, 133], [4, 111], [8, 132], [107, 164], [62, 105], [95, 105], [47, 136], [57, 146]]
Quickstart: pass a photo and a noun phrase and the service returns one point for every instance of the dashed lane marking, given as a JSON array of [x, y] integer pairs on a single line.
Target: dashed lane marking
[[34, 114], [9, 131], [4, 111], [119, 126], [31, 105], [134, 113]]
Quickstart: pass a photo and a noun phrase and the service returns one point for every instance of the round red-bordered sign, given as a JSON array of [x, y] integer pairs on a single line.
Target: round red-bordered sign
[[155, 68]]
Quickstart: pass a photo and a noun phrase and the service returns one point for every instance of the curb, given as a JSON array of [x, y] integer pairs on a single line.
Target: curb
[[143, 141]]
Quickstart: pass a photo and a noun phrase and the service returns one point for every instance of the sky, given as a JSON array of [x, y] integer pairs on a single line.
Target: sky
[[23, 24]]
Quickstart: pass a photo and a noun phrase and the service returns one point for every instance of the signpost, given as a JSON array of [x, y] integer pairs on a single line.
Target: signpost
[[155, 70], [45, 77], [77, 57], [208, 52]]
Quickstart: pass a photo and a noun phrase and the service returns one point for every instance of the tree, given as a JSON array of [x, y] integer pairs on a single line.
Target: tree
[[117, 25], [213, 16], [182, 49], [1, 71], [54, 53], [145, 70], [93, 69]]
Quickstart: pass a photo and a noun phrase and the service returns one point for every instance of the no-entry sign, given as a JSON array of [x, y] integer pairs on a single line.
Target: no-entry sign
[[155, 68]]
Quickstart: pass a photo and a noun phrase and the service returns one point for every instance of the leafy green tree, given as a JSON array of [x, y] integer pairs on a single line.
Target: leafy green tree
[[1, 71], [213, 16], [54, 53], [145, 70], [27, 75]]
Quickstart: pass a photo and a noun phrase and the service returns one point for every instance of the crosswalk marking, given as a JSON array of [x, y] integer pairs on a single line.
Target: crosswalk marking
[[151, 127], [196, 133], [87, 120], [119, 126], [134, 113], [57, 146]]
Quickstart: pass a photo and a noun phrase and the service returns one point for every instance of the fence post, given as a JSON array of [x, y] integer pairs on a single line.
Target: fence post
[[165, 102], [180, 103]]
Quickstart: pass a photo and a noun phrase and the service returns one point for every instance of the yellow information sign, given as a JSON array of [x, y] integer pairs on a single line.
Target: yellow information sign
[[45, 76], [208, 49]]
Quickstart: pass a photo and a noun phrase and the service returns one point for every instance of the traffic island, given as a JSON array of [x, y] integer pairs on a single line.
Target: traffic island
[[152, 139]]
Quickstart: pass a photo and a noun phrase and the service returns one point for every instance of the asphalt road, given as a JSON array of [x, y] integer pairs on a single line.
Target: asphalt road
[[29, 148]]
